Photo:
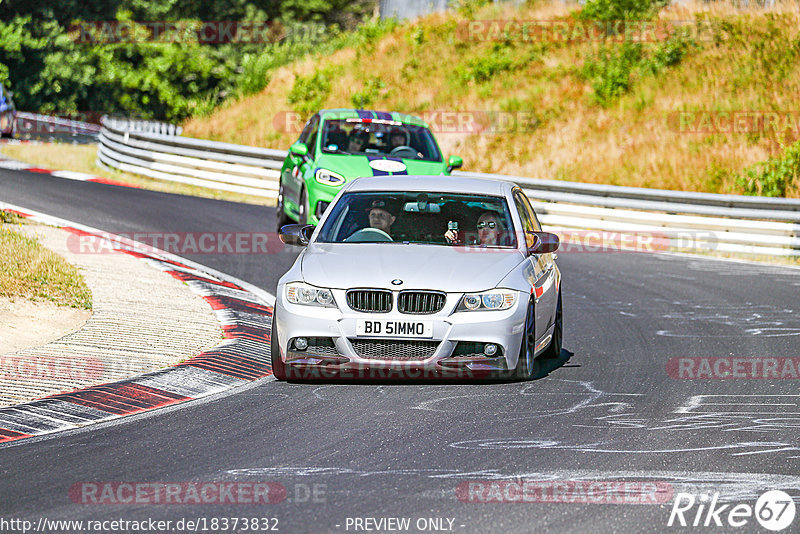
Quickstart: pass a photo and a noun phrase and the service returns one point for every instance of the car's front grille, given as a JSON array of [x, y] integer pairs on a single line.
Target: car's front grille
[[370, 300], [420, 302], [379, 349]]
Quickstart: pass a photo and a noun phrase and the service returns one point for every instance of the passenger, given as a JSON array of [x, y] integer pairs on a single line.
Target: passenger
[[357, 140], [489, 227]]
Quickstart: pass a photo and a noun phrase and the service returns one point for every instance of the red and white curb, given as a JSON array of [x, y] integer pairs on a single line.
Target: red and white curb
[[14, 165], [244, 311]]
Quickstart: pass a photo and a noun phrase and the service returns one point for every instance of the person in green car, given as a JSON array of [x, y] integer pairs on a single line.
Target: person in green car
[[357, 140]]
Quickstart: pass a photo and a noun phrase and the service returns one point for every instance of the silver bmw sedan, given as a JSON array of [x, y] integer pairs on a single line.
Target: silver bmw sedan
[[419, 276]]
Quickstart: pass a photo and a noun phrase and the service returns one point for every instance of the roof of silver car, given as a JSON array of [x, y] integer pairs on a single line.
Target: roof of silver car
[[442, 184]]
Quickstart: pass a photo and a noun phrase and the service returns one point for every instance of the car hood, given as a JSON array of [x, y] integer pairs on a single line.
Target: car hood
[[450, 269], [359, 166]]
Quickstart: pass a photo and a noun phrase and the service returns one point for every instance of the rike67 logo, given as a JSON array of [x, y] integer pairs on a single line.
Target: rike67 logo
[[774, 510]]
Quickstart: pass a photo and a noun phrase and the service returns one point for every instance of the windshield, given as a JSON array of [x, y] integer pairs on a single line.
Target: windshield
[[379, 137], [429, 218]]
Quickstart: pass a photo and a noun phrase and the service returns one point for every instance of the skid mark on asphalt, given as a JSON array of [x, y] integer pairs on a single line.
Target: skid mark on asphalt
[[737, 449], [586, 397]]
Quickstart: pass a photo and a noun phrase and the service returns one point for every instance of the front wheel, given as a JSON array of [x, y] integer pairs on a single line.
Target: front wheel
[[553, 350], [302, 217], [278, 365], [527, 365], [283, 219]]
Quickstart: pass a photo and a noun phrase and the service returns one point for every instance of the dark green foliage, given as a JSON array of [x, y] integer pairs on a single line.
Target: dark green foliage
[[49, 72]]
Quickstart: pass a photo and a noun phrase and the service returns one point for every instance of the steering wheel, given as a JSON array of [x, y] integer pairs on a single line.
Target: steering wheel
[[368, 235], [404, 148]]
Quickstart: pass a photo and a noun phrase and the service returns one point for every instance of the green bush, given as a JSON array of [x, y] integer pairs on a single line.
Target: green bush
[[620, 9], [775, 176], [368, 95], [484, 67], [613, 69], [309, 92]]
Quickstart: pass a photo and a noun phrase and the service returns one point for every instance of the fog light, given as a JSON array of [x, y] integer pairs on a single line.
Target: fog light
[[490, 349], [301, 343]]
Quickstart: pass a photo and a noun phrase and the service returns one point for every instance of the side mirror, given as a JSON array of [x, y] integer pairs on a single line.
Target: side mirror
[[299, 149], [454, 162], [544, 243], [296, 234]]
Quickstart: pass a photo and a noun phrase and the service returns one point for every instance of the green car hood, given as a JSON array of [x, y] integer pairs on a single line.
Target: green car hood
[[359, 166]]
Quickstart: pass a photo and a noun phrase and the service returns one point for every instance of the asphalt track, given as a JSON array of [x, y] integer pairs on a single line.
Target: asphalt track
[[607, 411]]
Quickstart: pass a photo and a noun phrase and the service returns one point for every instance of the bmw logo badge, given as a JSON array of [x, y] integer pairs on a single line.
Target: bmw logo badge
[[397, 282]]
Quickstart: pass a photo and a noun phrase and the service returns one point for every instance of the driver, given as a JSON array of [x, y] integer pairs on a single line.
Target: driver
[[380, 217], [398, 137]]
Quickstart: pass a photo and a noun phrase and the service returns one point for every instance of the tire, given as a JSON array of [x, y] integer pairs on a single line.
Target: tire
[[302, 217], [527, 366], [553, 350], [283, 219], [278, 365]]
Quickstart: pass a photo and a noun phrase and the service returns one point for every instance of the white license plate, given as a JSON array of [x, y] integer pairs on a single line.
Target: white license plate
[[394, 328]]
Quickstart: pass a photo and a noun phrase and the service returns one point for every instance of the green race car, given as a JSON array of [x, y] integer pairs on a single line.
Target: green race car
[[343, 144]]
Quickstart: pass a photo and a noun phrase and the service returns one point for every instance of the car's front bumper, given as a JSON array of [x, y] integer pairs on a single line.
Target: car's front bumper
[[455, 348]]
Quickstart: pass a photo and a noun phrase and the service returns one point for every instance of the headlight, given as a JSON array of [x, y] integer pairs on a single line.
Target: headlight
[[327, 177], [496, 299], [299, 293]]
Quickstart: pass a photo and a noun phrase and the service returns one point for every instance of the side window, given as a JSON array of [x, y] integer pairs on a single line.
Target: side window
[[527, 222], [311, 143], [310, 127], [537, 227]]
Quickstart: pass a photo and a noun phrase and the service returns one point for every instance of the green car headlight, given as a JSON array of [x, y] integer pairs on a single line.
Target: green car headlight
[[495, 299], [299, 293], [327, 177]]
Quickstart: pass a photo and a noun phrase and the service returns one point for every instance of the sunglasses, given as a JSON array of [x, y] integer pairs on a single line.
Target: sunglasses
[[484, 224]]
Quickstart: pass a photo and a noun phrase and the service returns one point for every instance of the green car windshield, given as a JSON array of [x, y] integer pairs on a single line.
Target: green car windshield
[[380, 138], [414, 217]]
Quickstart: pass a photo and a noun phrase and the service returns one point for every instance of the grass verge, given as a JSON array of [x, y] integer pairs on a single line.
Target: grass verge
[[82, 158], [29, 270], [642, 114]]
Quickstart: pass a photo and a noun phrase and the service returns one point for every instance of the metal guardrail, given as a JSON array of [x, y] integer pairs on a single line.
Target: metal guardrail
[[157, 150], [704, 221]]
